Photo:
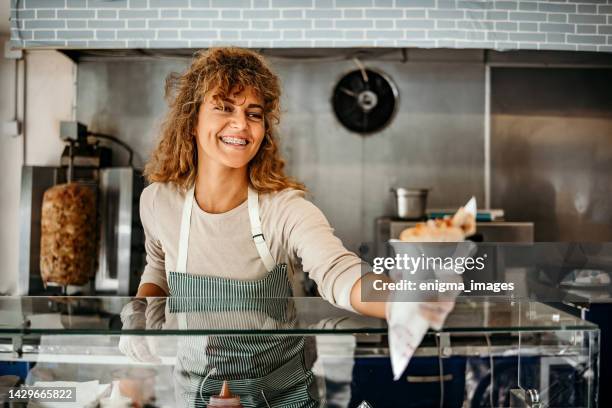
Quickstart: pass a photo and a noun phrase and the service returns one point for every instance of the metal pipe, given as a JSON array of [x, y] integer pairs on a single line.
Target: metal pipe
[[119, 142], [70, 161], [24, 125], [487, 137]]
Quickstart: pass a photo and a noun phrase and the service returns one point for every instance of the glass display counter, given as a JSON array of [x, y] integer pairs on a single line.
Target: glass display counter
[[168, 352]]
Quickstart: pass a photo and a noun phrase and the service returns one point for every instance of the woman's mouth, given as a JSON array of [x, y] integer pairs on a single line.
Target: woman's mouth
[[234, 141]]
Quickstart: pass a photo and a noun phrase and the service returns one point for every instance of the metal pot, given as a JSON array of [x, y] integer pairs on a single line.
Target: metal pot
[[411, 203]]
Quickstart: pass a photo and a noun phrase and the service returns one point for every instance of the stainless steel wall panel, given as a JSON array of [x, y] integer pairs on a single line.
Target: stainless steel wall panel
[[551, 141]]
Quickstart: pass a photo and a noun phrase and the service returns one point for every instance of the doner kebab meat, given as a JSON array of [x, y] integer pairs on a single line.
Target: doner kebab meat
[[68, 243]]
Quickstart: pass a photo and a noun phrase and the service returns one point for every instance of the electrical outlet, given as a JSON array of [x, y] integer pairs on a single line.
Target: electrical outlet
[[11, 128]]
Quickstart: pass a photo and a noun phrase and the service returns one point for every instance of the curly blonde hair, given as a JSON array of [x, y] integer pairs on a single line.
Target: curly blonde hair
[[225, 70]]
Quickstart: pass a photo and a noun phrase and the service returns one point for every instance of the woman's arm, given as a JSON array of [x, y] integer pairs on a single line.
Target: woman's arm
[[306, 234], [150, 290], [434, 311], [363, 289], [153, 280], [341, 276]]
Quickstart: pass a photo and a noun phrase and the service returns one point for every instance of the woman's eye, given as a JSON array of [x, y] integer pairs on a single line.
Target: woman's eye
[[257, 116]]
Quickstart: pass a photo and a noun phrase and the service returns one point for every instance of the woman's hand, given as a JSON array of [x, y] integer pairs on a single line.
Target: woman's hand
[[408, 322], [134, 317]]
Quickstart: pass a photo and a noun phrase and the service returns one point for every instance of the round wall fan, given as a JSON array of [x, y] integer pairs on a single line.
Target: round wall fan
[[364, 101]]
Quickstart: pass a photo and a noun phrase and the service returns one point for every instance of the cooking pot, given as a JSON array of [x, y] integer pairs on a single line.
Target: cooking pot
[[410, 203]]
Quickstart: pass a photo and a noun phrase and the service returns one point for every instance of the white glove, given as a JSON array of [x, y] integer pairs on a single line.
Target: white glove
[[137, 347]]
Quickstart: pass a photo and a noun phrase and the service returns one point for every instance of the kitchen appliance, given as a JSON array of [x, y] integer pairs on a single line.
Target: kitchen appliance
[[410, 203], [121, 254], [364, 100]]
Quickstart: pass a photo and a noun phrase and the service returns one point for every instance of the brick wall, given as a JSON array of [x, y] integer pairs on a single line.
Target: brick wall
[[492, 24]]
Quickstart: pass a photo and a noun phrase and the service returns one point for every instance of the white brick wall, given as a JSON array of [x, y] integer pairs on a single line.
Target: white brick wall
[[492, 24]]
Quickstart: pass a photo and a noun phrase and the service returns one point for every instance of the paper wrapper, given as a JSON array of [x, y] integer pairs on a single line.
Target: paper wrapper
[[406, 330], [408, 322]]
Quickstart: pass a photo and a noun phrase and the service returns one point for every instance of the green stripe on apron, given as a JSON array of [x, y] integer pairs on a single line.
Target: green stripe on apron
[[273, 364]]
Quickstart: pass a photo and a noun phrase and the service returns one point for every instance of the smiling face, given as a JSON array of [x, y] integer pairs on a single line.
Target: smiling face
[[230, 130]]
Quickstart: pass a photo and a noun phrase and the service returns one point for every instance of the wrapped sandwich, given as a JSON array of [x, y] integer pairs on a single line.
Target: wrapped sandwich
[[411, 314], [448, 229]]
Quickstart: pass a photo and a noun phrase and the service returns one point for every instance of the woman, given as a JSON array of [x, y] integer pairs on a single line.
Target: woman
[[222, 219], [218, 148]]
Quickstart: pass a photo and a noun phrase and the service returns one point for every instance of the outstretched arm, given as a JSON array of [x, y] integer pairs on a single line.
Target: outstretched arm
[[150, 290]]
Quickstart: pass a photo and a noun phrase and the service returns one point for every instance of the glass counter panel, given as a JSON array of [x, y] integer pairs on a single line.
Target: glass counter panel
[[466, 368], [487, 353], [299, 316]]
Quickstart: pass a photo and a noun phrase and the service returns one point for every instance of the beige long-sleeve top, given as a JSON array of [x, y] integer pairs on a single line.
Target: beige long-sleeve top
[[221, 245]]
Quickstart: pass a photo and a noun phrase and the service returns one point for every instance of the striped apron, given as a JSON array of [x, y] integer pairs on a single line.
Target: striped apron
[[262, 369]]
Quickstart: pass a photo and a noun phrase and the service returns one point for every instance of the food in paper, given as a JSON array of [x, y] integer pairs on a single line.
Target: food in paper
[[455, 229], [408, 322]]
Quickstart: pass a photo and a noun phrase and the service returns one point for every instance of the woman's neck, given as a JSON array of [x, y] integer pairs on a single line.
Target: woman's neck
[[219, 189]]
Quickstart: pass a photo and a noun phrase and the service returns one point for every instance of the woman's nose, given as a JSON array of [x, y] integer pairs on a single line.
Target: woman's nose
[[239, 120]]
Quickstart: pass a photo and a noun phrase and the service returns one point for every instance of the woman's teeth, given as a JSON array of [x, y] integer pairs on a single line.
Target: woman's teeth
[[234, 140]]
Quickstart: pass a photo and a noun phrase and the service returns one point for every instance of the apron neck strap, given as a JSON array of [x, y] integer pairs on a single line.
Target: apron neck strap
[[256, 231], [181, 260]]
